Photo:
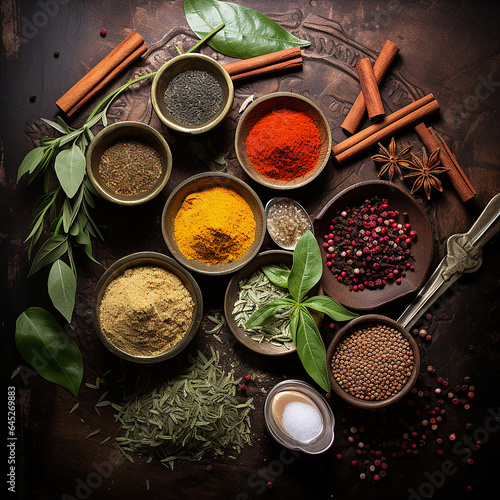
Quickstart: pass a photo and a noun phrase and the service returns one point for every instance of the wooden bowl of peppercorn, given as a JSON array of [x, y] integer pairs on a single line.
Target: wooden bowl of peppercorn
[[283, 140], [371, 258], [128, 163], [372, 362]]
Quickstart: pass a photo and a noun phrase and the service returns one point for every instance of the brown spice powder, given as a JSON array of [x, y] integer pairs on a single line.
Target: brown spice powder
[[146, 311]]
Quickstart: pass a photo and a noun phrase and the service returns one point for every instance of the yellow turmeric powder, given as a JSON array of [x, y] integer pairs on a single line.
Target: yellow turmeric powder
[[214, 226]]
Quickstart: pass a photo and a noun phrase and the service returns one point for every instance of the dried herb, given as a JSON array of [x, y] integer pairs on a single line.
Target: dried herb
[[185, 416], [306, 271], [392, 161], [130, 167], [425, 171], [255, 292]]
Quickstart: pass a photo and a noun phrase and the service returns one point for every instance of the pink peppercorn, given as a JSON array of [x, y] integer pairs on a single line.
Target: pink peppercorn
[[103, 33], [339, 456], [269, 485]]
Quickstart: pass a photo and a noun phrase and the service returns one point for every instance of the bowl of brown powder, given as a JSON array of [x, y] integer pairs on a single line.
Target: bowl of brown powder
[[372, 362], [128, 163], [146, 307]]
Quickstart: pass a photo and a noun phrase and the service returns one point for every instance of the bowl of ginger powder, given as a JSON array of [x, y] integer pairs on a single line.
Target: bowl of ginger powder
[[146, 307]]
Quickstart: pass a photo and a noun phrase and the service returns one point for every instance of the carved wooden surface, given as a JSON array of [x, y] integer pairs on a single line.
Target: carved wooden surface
[[447, 48]]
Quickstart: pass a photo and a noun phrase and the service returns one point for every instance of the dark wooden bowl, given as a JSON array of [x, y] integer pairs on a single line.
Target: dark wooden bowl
[[422, 248], [353, 325], [148, 259], [263, 259], [200, 182], [262, 107]]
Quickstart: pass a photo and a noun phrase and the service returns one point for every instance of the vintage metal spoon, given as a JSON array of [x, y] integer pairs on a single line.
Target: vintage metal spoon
[[463, 256]]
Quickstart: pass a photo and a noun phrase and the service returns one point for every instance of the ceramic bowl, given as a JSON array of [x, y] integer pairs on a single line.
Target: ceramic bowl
[[355, 324], [186, 62], [148, 259], [262, 107], [122, 131], [200, 182], [318, 444], [271, 257], [422, 247]]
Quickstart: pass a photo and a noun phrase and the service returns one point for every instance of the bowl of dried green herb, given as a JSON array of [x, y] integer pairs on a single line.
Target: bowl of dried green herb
[[250, 289], [146, 307], [192, 93], [128, 163]]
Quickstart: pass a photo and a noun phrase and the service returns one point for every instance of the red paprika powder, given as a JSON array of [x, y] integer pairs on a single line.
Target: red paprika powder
[[284, 144]]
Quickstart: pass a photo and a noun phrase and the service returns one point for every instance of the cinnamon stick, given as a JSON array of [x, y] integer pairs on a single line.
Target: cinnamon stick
[[386, 128], [247, 65], [432, 140], [115, 58], [380, 67], [111, 76], [265, 70], [369, 88], [393, 117]]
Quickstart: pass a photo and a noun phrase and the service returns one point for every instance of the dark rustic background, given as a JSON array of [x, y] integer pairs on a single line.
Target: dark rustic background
[[448, 48]]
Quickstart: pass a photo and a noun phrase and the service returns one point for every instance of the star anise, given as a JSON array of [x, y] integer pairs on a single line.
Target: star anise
[[392, 160], [425, 171]]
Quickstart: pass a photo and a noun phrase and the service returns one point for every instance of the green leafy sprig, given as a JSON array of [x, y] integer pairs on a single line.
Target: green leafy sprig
[[300, 279], [40, 340]]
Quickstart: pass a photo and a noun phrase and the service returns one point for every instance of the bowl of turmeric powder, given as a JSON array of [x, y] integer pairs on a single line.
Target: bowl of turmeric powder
[[213, 223], [283, 140]]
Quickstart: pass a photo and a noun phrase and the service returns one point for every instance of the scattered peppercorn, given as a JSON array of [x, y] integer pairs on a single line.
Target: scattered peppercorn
[[56, 53], [103, 33], [32, 97], [452, 437], [209, 467]]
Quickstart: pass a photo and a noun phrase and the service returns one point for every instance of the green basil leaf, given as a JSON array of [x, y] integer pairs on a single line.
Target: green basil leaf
[[70, 168], [43, 344], [50, 251], [311, 349], [246, 32], [62, 288], [265, 314], [307, 266], [330, 307], [30, 161], [277, 275]]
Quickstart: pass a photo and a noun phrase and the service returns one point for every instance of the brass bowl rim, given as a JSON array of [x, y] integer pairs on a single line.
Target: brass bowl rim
[[132, 125], [212, 123], [351, 327], [134, 260], [276, 183]]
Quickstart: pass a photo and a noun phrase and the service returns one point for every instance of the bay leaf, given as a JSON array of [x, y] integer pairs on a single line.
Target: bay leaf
[[246, 32], [51, 250], [44, 344], [311, 349], [70, 169], [62, 288], [307, 267]]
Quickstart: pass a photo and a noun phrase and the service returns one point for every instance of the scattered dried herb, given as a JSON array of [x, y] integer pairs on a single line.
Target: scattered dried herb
[[425, 171], [186, 416], [392, 161]]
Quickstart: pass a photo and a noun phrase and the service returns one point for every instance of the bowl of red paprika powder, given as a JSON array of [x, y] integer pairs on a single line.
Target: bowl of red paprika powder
[[283, 140]]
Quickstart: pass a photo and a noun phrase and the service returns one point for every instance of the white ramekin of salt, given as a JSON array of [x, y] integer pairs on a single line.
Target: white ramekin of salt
[[299, 418]]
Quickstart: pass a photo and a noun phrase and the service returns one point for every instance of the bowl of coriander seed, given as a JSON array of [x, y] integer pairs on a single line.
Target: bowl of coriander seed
[[372, 362]]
